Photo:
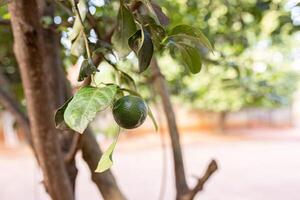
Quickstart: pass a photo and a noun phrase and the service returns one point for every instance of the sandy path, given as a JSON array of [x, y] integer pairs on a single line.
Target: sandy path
[[252, 168]]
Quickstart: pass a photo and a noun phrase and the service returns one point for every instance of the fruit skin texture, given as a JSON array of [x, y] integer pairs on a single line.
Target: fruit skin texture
[[130, 111]]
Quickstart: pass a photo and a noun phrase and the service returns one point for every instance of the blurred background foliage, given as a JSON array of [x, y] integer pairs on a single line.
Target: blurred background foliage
[[253, 65], [255, 45]]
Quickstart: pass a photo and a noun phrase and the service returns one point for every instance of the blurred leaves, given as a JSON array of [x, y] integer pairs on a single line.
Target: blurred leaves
[[125, 29], [186, 32], [142, 46], [87, 68], [189, 56]]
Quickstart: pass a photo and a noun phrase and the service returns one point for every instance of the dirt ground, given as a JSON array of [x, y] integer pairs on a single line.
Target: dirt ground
[[254, 165]]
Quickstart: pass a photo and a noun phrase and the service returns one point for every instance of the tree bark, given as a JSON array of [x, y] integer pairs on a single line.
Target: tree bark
[[55, 78], [221, 126], [105, 182], [91, 152], [28, 47], [162, 89]]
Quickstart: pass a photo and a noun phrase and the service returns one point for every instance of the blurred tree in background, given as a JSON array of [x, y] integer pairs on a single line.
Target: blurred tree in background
[[252, 65]]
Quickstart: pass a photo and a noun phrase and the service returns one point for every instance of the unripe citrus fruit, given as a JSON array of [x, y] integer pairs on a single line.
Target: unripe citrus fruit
[[130, 111]]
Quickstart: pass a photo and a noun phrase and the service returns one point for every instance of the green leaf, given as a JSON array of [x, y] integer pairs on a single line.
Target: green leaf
[[84, 106], [192, 32], [152, 118], [158, 34], [142, 45], [106, 160], [125, 28], [187, 39], [87, 68], [77, 26], [190, 57], [78, 48], [59, 116], [46, 21]]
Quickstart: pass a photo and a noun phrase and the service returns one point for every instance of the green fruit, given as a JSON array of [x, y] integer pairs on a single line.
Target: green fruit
[[130, 111]]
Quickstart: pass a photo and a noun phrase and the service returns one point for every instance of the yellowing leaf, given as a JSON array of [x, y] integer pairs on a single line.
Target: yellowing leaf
[[106, 160]]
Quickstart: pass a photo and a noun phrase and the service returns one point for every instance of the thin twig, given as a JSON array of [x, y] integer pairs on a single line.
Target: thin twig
[[212, 168], [84, 31], [4, 22], [70, 155]]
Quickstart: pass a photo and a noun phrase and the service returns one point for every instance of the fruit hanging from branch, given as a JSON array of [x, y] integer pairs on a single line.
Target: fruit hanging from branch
[[130, 111]]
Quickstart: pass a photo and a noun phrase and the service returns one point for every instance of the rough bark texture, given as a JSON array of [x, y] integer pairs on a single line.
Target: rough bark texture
[[162, 89], [57, 84], [28, 49]]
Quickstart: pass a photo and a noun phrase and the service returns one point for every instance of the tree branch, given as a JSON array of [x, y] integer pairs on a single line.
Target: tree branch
[[4, 22], [14, 107], [181, 183], [11, 105], [212, 168], [183, 191]]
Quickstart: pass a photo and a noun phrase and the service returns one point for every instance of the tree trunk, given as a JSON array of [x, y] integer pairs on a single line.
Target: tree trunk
[[221, 126], [55, 75], [28, 47], [91, 152], [162, 89]]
